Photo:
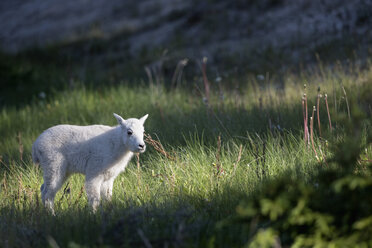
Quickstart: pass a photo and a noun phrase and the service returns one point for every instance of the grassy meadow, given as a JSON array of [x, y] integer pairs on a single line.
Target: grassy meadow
[[230, 169]]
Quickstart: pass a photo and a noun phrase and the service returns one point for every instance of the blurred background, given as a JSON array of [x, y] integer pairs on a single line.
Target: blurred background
[[51, 45]]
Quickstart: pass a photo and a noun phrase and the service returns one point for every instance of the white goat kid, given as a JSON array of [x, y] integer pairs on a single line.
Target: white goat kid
[[100, 152]]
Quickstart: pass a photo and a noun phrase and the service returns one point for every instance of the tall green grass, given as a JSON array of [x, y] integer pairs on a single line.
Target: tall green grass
[[220, 153]]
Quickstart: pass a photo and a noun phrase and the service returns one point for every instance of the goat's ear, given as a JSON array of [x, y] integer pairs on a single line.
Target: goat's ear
[[119, 119], [143, 119]]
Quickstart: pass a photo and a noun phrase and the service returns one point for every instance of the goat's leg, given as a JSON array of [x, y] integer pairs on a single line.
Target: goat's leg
[[106, 189], [53, 181], [93, 189]]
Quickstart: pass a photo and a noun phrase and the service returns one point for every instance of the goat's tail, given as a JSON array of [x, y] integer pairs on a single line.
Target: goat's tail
[[35, 155]]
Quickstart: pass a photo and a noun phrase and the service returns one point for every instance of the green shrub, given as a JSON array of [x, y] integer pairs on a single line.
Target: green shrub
[[333, 209]]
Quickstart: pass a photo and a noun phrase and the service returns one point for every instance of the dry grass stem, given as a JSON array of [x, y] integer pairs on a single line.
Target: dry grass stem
[[158, 146], [304, 112], [259, 159], [5, 187], [138, 161], [79, 195], [329, 116], [145, 240], [52, 242], [161, 112], [239, 158], [263, 158], [20, 188], [312, 134], [322, 154], [66, 191], [149, 75], [306, 120], [347, 102], [37, 202], [177, 76], [219, 169], [138, 169], [205, 79], [366, 160], [20, 146]]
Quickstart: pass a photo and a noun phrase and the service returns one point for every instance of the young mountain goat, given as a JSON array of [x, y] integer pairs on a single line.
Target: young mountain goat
[[99, 152]]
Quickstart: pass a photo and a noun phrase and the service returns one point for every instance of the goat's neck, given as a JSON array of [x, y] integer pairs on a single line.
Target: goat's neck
[[120, 150]]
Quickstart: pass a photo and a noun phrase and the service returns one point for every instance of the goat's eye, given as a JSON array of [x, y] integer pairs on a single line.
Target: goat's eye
[[129, 132]]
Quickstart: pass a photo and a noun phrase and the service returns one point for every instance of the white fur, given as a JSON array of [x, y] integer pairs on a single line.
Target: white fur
[[100, 152]]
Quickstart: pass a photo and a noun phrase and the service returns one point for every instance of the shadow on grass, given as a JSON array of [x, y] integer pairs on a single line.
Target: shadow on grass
[[229, 218], [182, 220]]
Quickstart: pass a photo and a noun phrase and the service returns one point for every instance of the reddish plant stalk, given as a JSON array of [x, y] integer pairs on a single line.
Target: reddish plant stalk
[[329, 116], [317, 114]]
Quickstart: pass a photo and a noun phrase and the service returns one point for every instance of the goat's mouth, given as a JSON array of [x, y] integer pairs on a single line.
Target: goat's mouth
[[141, 150]]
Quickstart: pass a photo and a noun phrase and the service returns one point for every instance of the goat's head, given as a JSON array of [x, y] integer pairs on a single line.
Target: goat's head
[[132, 131]]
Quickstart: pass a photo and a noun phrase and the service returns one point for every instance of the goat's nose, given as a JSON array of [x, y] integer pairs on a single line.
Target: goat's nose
[[141, 146]]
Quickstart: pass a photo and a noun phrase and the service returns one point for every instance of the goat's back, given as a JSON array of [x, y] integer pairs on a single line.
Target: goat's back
[[53, 139]]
